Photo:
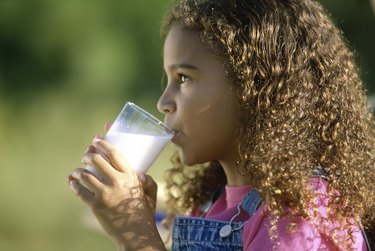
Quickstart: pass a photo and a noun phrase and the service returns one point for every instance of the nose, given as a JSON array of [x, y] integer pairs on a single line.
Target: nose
[[166, 103]]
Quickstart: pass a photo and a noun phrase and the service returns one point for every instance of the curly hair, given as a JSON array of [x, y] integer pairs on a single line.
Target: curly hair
[[302, 105]]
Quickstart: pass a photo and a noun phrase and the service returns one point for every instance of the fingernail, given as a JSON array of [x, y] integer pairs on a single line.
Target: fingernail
[[95, 141], [73, 187], [108, 124]]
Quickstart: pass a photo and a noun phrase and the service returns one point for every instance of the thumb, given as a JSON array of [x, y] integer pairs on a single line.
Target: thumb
[[149, 186]]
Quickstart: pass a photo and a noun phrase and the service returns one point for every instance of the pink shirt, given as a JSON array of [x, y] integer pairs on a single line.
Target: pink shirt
[[307, 236]]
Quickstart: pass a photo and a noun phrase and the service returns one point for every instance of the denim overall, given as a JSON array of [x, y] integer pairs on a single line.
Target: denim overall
[[193, 233]]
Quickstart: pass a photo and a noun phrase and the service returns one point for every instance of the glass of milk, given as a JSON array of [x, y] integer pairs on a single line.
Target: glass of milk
[[139, 136]]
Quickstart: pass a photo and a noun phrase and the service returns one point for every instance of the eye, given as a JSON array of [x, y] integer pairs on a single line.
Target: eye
[[183, 78]]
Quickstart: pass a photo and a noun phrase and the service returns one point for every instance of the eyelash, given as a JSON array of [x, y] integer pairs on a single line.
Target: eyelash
[[182, 78]]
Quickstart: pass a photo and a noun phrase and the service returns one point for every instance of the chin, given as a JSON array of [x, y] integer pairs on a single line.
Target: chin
[[189, 160]]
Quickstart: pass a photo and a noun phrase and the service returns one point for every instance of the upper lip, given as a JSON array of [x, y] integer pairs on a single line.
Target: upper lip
[[170, 126], [175, 135], [175, 131]]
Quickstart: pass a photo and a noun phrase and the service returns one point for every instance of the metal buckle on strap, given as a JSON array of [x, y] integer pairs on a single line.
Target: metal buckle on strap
[[250, 204]]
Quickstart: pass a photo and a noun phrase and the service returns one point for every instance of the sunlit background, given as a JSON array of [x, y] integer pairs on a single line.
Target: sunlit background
[[66, 67]]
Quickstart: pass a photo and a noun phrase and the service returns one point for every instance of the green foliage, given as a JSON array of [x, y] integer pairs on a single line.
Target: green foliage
[[91, 47], [356, 18]]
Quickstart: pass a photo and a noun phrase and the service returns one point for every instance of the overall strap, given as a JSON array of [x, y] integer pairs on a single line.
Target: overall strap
[[249, 203]]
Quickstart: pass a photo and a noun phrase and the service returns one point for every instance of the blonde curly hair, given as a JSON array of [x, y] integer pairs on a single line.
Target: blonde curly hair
[[302, 106]]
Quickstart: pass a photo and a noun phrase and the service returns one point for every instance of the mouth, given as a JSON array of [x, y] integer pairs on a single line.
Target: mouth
[[176, 135], [170, 128], [176, 132]]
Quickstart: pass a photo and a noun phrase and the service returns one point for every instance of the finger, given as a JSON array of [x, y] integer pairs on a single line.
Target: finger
[[149, 185], [90, 149], [89, 180], [107, 125], [101, 165], [98, 136], [80, 191], [116, 159], [86, 178], [76, 175]]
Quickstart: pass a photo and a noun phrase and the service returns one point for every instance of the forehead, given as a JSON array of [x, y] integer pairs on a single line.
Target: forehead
[[185, 45]]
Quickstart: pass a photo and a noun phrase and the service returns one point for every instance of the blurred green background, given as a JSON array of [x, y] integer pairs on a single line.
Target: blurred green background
[[66, 67]]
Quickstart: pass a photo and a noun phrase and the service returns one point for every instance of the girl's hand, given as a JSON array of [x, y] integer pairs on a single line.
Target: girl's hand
[[122, 201]]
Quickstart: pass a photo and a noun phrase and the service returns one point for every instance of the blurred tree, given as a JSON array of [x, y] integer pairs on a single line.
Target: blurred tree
[[105, 47], [114, 48], [23, 66], [356, 19]]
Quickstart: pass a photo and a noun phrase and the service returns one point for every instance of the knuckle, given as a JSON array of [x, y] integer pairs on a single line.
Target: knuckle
[[96, 158], [76, 172], [97, 204], [80, 193], [113, 153], [85, 176], [102, 199]]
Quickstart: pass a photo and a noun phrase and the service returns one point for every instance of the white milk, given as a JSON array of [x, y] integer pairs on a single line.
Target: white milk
[[139, 150]]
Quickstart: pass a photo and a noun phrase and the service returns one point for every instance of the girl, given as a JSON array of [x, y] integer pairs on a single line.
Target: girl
[[274, 134]]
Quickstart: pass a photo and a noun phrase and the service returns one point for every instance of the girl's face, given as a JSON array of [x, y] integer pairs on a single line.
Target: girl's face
[[199, 101]]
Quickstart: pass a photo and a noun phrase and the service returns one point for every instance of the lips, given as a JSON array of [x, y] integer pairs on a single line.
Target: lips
[[170, 127], [176, 135], [174, 129]]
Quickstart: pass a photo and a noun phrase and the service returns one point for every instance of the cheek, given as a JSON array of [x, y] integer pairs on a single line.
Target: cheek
[[214, 128], [214, 112], [209, 119]]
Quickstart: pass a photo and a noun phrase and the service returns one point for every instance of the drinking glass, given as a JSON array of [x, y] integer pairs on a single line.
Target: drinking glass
[[138, 136]]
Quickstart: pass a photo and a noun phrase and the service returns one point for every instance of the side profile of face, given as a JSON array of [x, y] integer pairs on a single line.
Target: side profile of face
[[199, 101]]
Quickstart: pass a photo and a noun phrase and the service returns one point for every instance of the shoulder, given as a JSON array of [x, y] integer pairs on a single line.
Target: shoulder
[[304, 236], [291, 233], [320, 232]]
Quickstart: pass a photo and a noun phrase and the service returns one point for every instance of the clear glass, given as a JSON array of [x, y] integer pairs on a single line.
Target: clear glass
[[139, 136]]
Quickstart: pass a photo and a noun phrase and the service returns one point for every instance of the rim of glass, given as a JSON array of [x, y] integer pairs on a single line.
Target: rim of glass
[[149, 116]]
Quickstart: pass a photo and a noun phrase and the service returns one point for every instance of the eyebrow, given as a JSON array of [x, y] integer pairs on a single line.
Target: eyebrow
[[184, 66]]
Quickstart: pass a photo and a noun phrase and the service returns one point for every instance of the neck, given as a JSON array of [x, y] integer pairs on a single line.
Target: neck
[[234, 178]]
